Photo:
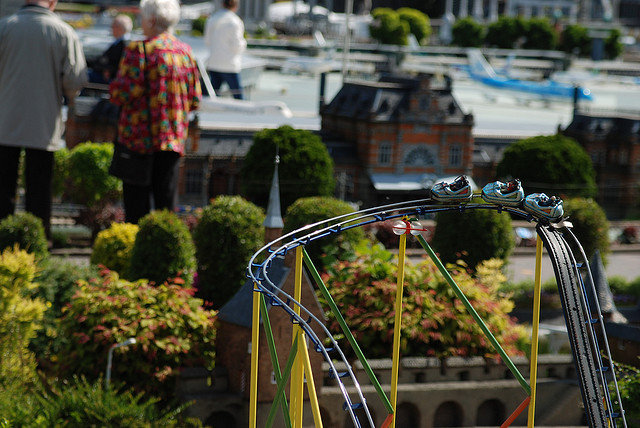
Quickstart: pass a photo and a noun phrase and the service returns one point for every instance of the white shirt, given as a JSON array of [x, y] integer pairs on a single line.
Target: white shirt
[[224, 36]]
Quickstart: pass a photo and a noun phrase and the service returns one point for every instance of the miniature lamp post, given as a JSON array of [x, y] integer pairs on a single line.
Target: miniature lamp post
[[129, 341]]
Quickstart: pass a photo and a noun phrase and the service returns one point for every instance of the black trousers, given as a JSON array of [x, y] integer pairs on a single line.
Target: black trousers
[[161, 194], [38, 172]]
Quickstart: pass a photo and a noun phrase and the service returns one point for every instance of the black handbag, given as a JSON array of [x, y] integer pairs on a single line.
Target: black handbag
[[129, 166]]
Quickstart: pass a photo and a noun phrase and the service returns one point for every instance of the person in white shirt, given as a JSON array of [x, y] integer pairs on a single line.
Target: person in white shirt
[[224, 36]]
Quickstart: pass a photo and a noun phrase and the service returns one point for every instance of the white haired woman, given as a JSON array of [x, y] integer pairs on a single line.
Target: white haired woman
[[157, 86]]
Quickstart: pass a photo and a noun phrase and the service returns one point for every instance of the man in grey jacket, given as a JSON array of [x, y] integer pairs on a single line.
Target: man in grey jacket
[[41, 61]]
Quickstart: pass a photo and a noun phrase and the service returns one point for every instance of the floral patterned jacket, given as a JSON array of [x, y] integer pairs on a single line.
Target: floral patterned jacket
[[172, 89]]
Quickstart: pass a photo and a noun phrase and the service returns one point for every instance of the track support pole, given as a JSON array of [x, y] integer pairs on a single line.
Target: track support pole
[[535, 331], [397, 327], [255, 336]]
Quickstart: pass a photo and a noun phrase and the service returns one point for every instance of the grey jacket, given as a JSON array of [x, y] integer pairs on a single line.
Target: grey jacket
[[41, 60]]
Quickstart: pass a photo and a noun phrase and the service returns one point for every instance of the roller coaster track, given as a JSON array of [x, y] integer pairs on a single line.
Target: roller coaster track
[[584, 324]]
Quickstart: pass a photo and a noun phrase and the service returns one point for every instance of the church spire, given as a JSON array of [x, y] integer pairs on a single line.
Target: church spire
[[273, 222]]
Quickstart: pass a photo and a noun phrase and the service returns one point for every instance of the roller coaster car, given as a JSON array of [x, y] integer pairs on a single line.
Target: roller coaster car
[[510, 193], [458, 191], [541, 205]]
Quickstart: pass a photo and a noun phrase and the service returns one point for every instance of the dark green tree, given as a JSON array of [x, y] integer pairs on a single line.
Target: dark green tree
[[26, 231], [229, 231], [473, 236], [387, 27], [305, 169], [311, 210], [590, 225], [540, 35], [555, 165], [505, 32], [468, 33], [575, 39], [612, 44], [419, 24], [91, 185]]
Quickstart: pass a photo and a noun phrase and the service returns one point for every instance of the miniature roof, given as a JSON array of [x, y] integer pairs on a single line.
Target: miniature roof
[[238, 310], [390, 97]]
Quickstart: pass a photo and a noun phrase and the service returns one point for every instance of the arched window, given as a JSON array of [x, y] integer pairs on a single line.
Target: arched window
[[490, 413], [407, 416], [223, 419], [448, 414]]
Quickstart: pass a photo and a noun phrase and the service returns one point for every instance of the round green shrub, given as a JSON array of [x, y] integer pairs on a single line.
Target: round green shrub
[[163, 249], [555, 165], [113, 247], [314, 209], [387, 27], [26, 230], [229, 232], [575, 39], [467, 32], [590, 225], [473, 236], [419, 24]]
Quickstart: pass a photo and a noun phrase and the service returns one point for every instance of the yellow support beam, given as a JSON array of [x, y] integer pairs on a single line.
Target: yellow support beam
[[397, 326], [535, 332], [311, 386], [297, 375], [255, 336]]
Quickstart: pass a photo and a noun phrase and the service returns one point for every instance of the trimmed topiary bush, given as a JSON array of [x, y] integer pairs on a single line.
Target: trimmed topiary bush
[[305, 169], [314, 209], [230, 230], [26, 230], [590, 225], [163, 249], [113, 247], [388, 28], [554, 164], [467, 32], [419, 24], [473, 236]]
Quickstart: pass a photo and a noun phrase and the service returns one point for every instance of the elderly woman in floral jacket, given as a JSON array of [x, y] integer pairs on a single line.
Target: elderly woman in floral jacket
[[157, 86]]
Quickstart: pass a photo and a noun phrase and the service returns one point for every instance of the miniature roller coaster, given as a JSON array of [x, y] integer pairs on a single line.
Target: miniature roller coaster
[[584, 322]]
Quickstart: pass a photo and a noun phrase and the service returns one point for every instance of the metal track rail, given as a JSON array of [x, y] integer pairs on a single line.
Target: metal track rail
[[593, 386], [579, 320]]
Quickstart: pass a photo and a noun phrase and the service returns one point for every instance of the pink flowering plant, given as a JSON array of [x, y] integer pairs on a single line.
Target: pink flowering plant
[[434, 320], [171, 328]]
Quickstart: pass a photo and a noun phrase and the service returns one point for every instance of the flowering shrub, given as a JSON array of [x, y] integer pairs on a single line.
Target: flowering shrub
[[20, 316], [170, 326], [434, 321]]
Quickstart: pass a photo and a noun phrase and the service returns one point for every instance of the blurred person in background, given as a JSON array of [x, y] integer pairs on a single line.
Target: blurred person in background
[[224, 36], [41, 62], [105, 67], [157, 87]]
